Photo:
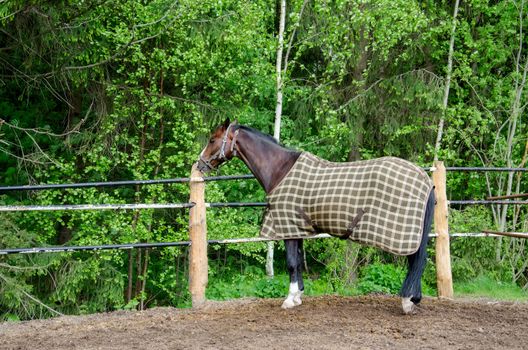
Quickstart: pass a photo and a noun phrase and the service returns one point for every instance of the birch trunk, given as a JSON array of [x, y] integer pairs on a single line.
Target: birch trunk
[[278, 66], [447, 83], [521, 69], [278, 115]]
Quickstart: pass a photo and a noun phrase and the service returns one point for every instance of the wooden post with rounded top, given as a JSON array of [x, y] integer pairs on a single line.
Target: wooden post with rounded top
[[198, 265], [444, 279]]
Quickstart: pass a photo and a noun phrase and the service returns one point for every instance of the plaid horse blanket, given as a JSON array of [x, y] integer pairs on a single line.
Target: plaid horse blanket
[[379, 202]]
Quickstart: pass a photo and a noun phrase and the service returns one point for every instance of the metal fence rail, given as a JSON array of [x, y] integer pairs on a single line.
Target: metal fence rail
[[9, 208], [14, 208], [189, 205], [128, 246], [487, 169], [119, 183], [478, 201], [207, 178]]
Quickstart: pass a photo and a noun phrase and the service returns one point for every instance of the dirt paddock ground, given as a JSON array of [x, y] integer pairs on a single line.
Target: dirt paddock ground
[[329, 322]]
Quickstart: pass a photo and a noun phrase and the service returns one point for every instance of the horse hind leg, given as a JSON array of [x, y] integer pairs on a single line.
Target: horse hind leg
[[411, 291], [294, 264]]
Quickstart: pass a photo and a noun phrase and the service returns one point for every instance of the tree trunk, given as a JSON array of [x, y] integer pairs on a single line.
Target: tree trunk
[[144, 279], [278, 115], [518, 185], [521, 69], [278, 106], [447, 83], [130, 275], [357, 76], [139, 258]]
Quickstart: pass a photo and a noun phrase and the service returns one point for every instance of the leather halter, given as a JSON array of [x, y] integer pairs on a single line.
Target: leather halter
[[220, 154]]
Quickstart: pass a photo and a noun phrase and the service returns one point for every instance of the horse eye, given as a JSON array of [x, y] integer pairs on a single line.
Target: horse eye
[[211, 141]]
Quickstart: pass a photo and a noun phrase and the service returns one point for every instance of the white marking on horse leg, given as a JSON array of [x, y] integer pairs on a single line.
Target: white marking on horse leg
[[408, 306], [290, 300], [297, 298]]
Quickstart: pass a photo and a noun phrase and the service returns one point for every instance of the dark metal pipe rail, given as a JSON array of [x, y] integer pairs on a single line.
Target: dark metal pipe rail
[[92, 184], [91, 247], [208, 178], [119, 183], [228, 177], [62, 207], [235, 204]]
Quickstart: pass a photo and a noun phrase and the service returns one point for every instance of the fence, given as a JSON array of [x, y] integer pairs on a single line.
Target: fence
[[198, 226]]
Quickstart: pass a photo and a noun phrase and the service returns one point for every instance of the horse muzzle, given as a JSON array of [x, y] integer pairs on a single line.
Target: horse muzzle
[[204, 166]]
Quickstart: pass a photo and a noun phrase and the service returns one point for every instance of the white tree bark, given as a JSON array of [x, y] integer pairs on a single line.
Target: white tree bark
[[278, 66], [514, 117], [447, 83], [278, 114], [521, 72]]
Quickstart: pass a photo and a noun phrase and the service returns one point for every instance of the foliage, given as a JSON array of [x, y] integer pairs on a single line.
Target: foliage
[[105, 90], [19, 272], [471, 257], [251, 282], [381, 278]]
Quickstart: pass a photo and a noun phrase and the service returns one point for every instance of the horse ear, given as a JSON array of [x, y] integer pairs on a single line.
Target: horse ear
[[235, 121], [226, 123]]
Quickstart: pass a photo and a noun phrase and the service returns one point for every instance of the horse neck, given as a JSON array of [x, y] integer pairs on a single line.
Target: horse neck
[[267, 160]]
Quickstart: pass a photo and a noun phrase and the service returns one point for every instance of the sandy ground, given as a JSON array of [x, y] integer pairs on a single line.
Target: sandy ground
[[329, 322]]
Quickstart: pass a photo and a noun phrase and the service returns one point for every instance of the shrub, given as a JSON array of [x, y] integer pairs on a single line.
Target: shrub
[[384, 278]]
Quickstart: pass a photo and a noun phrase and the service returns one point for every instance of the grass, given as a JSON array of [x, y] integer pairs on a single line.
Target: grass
[[487, 287], [254, 283]]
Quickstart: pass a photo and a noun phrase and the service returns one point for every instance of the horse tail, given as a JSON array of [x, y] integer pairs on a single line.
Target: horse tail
[[412, 286]]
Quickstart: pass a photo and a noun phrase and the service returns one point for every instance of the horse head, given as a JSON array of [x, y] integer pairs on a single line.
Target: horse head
[[220, 147]]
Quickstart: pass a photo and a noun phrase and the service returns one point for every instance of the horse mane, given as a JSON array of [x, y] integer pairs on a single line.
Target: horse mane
[[258, 132]]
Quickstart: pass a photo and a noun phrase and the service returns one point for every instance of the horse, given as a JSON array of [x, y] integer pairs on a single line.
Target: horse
[[270, 163]]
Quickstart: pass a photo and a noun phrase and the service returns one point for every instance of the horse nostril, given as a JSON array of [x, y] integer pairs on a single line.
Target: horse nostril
[[203, 166]]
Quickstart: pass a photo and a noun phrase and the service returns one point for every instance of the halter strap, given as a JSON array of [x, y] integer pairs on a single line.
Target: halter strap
[[224, 142], [233, 143], [220, 154]]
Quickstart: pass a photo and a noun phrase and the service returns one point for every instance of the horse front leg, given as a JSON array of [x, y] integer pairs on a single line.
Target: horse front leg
[[294, 258]]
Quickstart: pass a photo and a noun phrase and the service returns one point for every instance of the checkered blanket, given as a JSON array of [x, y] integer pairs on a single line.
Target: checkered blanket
[[379, 202]]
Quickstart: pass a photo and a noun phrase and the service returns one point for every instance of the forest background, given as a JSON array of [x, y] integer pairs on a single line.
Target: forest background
[[122, 90]]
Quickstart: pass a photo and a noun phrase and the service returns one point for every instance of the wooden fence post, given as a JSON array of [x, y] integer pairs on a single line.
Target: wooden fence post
[[444, 279], [198, 265]]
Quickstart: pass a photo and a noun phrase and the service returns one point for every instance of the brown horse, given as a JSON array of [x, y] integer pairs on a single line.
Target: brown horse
[[270, 163]]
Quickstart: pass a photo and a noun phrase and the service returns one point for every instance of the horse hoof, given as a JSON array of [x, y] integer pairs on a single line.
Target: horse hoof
[[288, 304], [297, 299], [408, 306]]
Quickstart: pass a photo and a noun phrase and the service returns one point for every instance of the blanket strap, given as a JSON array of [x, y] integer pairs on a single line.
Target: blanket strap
[[316, 229], [308, 220], [353, 224]]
